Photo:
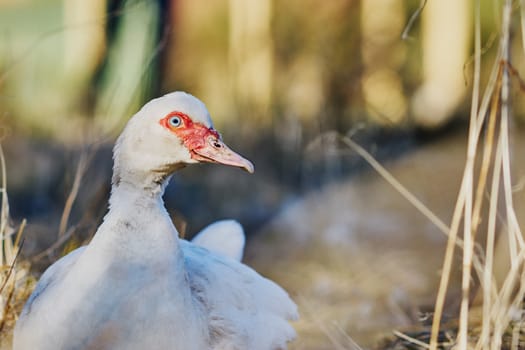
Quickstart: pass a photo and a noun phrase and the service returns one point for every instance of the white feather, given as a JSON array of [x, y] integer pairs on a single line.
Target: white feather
[[225, 237]]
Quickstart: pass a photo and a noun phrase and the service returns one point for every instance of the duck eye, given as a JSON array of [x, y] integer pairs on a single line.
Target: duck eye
[[175, 121]]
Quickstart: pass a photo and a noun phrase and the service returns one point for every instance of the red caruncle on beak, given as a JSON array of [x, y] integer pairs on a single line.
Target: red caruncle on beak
[[205, 144]]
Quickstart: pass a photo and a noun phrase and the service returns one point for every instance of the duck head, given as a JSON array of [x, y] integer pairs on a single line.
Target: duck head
[[167, 134]]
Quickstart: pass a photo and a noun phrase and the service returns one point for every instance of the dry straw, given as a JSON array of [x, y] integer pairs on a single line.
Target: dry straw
[[500, 305], [14, 277], [486, 172]]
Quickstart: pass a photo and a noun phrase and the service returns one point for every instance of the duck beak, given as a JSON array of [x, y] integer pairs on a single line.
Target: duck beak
[[214, 150]]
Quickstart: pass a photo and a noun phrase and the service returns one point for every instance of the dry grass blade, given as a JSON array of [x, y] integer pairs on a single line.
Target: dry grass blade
[[447, 266], [9, 273], [4, 216], [15, 281], [82, 166], [64, 230], [488, 285], [412, 19], [49, 252], [411, 340], [396, 184], [348, 339], [339, 339], [486, 161], [522, 21]]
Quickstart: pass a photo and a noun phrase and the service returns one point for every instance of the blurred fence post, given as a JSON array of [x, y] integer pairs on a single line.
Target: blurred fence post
[[126, 79], [85, 40], [251, 54], [446, 41], [383, 54]]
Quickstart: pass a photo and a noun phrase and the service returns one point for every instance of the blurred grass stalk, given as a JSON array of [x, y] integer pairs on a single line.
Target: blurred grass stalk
[[501, 305], [128, 77], [11, 275]]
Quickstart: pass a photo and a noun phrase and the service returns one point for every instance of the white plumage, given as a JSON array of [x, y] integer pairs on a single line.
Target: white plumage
[[225, 237], [137, 285]]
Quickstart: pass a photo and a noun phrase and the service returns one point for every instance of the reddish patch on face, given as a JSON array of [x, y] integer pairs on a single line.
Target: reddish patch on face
[[203, 143], [193, 135]]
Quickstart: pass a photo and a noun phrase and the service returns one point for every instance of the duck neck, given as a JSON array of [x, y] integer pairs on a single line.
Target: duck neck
[[145, 188], [137, 215]]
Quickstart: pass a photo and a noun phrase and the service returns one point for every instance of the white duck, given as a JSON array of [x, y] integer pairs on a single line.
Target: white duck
[[137, 285]]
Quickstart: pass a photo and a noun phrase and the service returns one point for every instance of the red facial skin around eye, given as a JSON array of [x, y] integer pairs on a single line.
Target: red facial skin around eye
[[193, 135]]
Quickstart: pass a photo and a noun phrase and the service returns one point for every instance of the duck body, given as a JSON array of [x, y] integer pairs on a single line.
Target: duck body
[[138, 286]]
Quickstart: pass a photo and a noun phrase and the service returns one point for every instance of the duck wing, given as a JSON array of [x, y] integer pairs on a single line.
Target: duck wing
[[244, 309], [55, 272], [28, 330], [225, 237]]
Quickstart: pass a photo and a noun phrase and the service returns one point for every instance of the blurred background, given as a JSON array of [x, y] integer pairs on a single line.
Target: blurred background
[[283, 81]]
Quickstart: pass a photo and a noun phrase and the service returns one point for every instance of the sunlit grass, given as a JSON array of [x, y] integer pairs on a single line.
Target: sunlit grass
[[499, 323], [500, 304], [15, 281]]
